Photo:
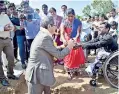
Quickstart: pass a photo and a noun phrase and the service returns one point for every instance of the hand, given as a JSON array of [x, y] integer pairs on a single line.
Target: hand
[[7, 27], [21, 27], [65, 42], [71, 44], [60, 47], [77, 46], [75, 39]]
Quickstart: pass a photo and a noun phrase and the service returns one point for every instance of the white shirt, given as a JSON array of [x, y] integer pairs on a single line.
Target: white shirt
[[62, 14], [42, 15], [86, 27], [113, 31], [4, 20], [116, 19]]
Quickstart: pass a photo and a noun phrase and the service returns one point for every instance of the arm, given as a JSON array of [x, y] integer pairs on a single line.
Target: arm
[[62, 33], [11, 25], [48, 46], [94, 40], [7, 27], [78, 32], [101, 43]]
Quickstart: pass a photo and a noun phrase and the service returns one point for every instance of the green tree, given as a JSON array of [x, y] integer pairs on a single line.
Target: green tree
[[87, 10], [99, 6], [102, 6]]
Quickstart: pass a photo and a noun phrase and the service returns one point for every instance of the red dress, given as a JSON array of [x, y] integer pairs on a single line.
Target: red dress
[[76, 57]]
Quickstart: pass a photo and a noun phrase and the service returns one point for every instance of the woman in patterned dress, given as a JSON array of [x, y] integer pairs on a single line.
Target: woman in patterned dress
[[70, 29], [57, 22]]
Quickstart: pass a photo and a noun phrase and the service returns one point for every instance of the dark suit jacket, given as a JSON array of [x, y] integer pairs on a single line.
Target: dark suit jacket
[[107, 41]]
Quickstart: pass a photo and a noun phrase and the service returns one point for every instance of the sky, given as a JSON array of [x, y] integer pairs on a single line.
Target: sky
[[77, 5]]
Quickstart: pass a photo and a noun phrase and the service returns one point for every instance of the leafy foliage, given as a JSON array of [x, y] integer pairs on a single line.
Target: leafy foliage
[[100, 6], [87, 10]]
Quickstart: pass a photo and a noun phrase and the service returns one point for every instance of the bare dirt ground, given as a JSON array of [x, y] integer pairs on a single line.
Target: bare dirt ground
[[78, 85]]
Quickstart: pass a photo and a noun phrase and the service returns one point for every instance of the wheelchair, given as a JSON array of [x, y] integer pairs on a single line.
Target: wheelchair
[[107, 67]]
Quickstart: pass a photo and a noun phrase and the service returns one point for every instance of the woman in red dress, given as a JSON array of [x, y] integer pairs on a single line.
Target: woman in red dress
[[70, 29]]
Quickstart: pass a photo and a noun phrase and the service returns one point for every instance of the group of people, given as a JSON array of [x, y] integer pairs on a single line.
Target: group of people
[[46, 38], [91, 26]]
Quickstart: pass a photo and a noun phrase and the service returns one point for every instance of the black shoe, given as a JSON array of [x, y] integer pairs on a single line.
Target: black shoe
[[13, 77], [4, 82], [24, 66]]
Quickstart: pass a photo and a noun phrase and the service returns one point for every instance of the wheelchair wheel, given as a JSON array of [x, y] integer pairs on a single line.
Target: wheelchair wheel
[[93, 83], [111, 69]]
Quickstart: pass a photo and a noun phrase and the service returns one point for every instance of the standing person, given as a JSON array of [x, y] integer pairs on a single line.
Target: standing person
[[86, 34], [114, 29], [64, 10], [113, 17], [57, 21], [6, 45], [31, 30], [27, 9], [20, 37], [108, 15], [12, 8], [95, 32], [96, 24], [102, 18], [39, 72], [44, 12], [38, 10], [86, 28], [71, 29]]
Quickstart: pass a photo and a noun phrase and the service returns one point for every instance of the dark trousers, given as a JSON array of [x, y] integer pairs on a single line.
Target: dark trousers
[[15, 46], [28, 43]]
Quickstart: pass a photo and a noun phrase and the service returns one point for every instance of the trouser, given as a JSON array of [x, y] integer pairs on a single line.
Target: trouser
[[15, 46], [7, 48], [21, 45], [38, 89], [28, 42], [101, 53]]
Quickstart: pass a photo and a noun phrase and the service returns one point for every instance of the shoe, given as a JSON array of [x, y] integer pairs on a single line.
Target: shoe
[[13, 77], [24, 66], [4, 82]]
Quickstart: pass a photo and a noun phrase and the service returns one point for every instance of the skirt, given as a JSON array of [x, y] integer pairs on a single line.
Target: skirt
[[74, 59]]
